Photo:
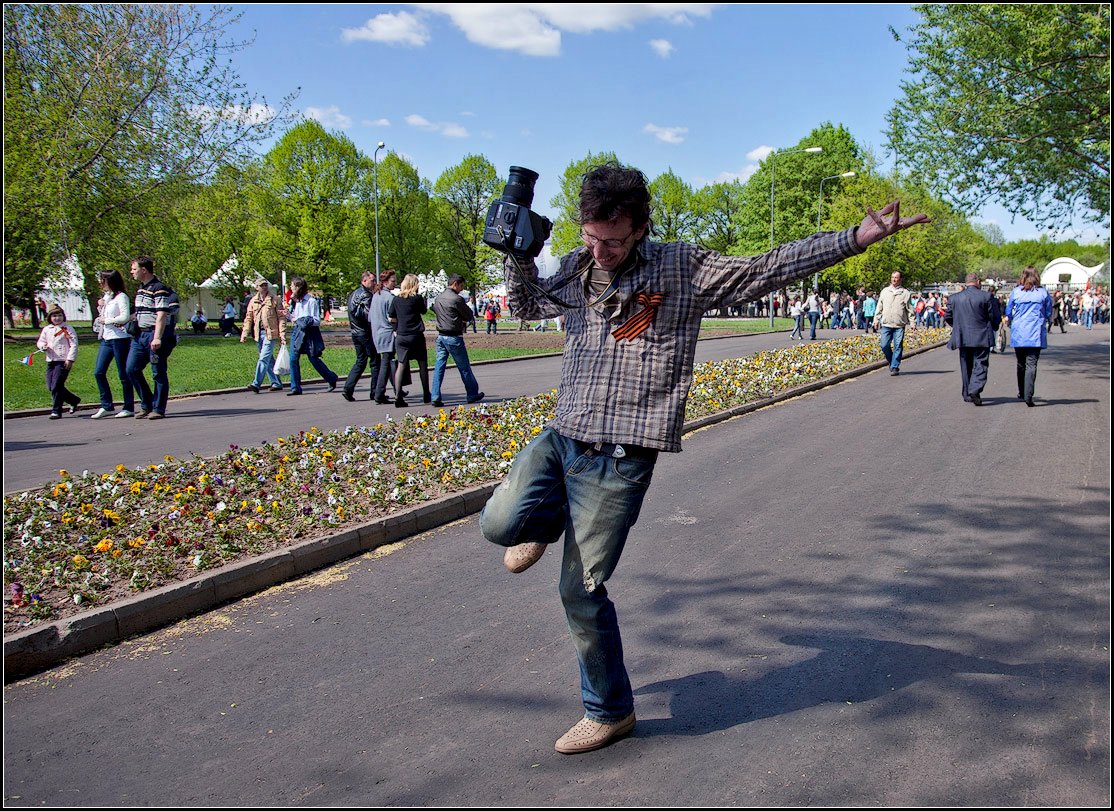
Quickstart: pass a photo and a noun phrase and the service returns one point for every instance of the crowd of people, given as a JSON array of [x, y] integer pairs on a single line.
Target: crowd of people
[[387, 327]]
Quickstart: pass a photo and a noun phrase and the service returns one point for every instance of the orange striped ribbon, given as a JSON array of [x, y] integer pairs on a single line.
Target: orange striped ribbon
[[637, 324]]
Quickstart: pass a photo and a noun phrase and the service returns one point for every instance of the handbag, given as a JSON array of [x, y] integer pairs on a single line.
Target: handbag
[[132, 327], [282, 362]]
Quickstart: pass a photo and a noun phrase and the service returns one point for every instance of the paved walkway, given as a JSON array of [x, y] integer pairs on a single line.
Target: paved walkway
[[872, 595]]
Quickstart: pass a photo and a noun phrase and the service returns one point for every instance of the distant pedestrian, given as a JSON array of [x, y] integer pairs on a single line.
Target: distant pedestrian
[[59, 341], [974, 317], [797, 313], [114, 314], [407, 309], [264, 322], [1028, 310], [491, 315], [453, 317], [895, 311], [384, 334], [156, 315], [305, 337], [359, 326]]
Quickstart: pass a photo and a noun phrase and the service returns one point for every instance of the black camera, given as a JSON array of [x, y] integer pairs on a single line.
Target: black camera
[[511, 227]]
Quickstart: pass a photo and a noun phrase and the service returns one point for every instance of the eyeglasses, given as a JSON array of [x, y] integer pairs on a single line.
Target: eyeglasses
[[592, 241]]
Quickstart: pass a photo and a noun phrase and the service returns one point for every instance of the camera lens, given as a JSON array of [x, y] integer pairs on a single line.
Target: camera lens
[[520, 186]]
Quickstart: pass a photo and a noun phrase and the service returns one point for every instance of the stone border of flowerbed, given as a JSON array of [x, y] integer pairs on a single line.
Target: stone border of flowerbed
[[39, 648]]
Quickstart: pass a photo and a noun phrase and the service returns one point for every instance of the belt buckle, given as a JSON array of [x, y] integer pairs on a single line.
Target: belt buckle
[[618, 453]]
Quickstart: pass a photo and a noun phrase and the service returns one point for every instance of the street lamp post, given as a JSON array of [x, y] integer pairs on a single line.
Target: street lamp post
[[375, 184], [819, 208], [773, 244]]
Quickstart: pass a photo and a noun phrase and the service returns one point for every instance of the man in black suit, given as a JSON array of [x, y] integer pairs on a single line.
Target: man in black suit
[[974, 316]]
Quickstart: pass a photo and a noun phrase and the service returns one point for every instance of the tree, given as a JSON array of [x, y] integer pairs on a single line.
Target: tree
[[308, 200], [566, 226], [717, 208], [464, 193], [1010, 101], [674, 208], [105, 107], [797, 177], [407, 223], [945, 249]]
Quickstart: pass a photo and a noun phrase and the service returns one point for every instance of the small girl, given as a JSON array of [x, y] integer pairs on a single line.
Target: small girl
[[60, 342]]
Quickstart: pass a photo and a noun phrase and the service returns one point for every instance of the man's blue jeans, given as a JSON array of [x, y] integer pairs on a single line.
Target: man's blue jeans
[[265, 367], [560, 485], [893, 343], [453, 345], [139, 356]]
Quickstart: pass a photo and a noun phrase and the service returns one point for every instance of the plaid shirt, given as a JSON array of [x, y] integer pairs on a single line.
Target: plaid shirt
[[634, 391]]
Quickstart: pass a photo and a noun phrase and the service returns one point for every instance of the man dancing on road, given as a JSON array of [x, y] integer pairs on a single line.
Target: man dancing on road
[[632, 309]]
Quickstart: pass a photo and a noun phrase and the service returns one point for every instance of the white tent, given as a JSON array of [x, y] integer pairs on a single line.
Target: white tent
[[1067, 272], [207, 301], [69, 294]]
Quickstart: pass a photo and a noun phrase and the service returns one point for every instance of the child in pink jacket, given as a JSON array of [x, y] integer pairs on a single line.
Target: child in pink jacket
[[60, 342]]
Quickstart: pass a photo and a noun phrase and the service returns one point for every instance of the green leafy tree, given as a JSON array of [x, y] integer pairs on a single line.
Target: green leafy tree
[[464, 193], [943, 250], [675, 213], [408, 228], [1010, 101], [566, 225], [797, 176], [106, 107], [717, 208], [308, 199]]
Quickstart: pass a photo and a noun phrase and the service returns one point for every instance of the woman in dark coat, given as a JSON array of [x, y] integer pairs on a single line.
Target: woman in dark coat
[[407, 309]]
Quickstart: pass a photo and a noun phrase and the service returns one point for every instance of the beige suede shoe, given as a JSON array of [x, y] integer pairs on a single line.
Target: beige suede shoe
[[521, 557], [587, 735]]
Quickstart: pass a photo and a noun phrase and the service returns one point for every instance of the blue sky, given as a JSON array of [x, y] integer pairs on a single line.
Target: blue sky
[[705, 90]]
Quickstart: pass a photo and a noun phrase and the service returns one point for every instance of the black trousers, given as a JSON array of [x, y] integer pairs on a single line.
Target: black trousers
[[56, 374], [974, 365], [1027, 357], [365, 356]]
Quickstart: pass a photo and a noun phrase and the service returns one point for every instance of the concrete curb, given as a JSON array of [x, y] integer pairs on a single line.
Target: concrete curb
[[37, 649]]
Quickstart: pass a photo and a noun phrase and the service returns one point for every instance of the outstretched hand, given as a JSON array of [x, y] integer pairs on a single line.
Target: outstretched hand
[[876, 227]]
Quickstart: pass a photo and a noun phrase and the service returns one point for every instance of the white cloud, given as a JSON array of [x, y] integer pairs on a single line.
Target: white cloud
[[378, 122], [402, 28], [662, 47], [252, 114], [535, 28], [759, 154], [669, 135], [447, 128], [329, 117]]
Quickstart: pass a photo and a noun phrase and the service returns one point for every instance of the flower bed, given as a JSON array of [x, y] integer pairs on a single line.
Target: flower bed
[[92, 538]]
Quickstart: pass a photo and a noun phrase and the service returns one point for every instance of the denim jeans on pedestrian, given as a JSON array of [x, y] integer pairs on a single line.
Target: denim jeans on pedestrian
[[330, 376], [813, 320], [265, 367], [893, 343], [138, 358], [1088, 317], [559, 484], [453, 345], [117, 348]]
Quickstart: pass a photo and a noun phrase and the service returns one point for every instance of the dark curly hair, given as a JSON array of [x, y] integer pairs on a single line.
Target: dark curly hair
[[611, 191]]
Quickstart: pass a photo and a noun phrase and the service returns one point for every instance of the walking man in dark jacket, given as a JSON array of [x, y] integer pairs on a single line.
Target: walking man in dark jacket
[[362, 337], [974, 316], [453, 315]]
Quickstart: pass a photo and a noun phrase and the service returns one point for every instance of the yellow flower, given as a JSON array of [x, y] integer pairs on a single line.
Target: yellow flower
[[120, 468], [259, 508], [281, 441], [117, 552], [112, 516], [104, 545], [80, 561], [63, 473]]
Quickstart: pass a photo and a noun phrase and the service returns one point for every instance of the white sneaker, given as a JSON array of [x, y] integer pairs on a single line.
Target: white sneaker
[[125, 413], [101, 414]]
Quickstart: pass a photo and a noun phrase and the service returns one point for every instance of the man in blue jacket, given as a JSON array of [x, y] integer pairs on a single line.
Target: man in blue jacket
[[974, 316]]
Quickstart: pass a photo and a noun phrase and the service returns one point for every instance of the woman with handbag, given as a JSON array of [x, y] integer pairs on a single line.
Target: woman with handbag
[[115, 311], [406, 311], [305, 338]]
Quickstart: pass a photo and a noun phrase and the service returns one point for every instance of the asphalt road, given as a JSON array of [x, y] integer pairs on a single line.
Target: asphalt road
[[36, 448], [873, 595]]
